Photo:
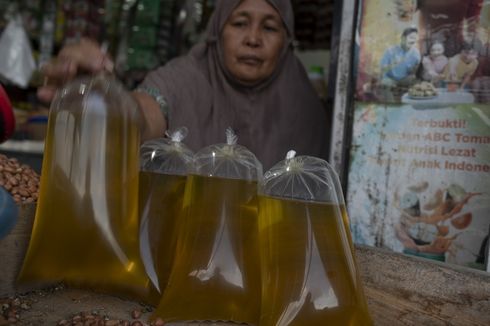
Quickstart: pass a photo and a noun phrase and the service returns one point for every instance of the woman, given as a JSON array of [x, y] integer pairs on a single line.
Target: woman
[[244, 76], [434, 64]]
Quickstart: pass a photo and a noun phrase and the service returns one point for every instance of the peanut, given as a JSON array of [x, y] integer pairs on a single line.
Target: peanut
[[19, 179]]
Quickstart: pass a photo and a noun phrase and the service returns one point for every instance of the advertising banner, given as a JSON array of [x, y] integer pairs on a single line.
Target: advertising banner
[[423, 50], [419, 180]]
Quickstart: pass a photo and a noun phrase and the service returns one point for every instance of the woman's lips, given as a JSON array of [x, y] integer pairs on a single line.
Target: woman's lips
[[250, 60]]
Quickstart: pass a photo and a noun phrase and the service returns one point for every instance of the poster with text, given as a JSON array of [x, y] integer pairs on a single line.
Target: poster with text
[[423, 51], [419, 180]]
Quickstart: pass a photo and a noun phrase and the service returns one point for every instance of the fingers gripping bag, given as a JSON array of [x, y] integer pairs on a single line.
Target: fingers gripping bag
[[165, 163], [216, 275], [309, 274], [86, 228]]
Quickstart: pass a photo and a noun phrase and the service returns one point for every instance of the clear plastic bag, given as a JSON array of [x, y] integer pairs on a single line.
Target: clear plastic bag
[[165, 164], [17, 63], [309, 273], [216, 276], [86, 225]]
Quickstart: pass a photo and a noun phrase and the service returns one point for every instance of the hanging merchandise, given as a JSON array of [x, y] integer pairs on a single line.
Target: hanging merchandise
[[313, 23], [165, 164], [309, 273], [186, 25], [84, 18], [142, 35], [165, 41], [17, 63], [46, 42], [32, 14], [86, 225], [215, 275]]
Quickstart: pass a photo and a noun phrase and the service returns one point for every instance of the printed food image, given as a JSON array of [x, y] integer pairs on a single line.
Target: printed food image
[[419, 187], [425, 225], [462, 221], [422, 89]]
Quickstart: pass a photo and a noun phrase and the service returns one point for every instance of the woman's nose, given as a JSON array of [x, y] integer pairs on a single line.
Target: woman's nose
[[253, 37]]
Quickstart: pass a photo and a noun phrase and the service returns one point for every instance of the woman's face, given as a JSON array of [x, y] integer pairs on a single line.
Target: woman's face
[[252, 38], [436, 50]]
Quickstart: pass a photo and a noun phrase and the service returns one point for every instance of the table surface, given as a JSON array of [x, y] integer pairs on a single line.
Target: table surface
[[400, 290]]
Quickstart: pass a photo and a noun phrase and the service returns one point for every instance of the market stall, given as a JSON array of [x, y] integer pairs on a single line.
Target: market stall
[[400, 250]]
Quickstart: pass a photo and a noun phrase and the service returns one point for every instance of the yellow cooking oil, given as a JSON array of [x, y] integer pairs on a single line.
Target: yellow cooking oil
[[308, 271], [216, 273], [86, 225], [160, 201]]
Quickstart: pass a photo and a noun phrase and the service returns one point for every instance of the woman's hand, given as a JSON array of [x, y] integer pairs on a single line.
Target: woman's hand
[[88, 57], [85, 56]]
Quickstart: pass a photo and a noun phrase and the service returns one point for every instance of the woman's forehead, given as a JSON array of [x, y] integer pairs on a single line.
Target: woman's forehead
[[283, 7], [262, 7]]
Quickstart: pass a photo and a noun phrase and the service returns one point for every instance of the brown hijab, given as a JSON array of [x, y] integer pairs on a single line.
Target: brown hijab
[[279, 114]]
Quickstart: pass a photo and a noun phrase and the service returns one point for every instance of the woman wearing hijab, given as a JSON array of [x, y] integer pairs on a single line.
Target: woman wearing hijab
[[245, 76]]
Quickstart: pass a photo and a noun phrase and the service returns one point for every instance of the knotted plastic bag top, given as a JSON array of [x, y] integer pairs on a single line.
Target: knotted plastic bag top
[[303, 178], [229, 160], [167, 155]]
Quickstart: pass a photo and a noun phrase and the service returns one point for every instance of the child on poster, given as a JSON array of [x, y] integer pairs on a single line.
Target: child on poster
[[462, 66], [434, 64]]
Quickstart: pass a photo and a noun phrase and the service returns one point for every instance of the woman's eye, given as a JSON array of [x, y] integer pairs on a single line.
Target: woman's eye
[[238, 24], [271, 28]]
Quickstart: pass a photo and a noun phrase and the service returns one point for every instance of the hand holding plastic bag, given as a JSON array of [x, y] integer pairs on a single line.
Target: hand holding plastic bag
[[86, 230]]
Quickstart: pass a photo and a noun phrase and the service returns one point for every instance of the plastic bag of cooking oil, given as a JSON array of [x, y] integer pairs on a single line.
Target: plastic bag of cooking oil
[[216, 274], [164, 166], [86, 229], [309, 274]]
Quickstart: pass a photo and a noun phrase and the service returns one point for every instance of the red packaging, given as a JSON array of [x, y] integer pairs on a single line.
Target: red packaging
[[7, 118]]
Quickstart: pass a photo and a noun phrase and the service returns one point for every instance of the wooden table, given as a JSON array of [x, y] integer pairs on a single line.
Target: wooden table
[[401, 290]]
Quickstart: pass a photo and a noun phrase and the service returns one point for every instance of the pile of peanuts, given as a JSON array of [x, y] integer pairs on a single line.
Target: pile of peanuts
[[20, 180], [10, 309], [95, 319]]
